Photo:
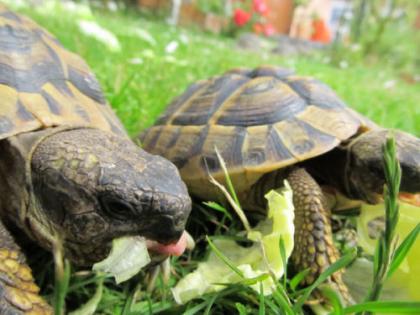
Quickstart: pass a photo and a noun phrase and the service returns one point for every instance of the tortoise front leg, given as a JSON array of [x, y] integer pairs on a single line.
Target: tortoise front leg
[[314, 247], [18, 291]]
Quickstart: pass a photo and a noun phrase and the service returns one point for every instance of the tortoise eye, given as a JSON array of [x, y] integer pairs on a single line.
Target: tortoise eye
[[116, 208]]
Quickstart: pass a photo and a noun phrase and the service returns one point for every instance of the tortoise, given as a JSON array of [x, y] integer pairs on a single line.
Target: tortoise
[[69, 173], [270, 124]]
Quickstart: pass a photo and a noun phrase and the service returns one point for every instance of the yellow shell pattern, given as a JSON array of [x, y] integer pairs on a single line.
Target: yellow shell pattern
[[260, 120], [44, 85]]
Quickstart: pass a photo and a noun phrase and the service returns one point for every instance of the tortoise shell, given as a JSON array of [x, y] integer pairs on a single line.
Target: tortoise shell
[[260, 120], [44, 85]]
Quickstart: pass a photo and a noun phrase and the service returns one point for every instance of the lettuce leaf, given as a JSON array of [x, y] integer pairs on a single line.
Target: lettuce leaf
[[262, 258]]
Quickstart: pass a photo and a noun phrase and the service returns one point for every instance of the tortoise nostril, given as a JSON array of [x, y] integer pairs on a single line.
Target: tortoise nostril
[[164, 229], [166, 220]]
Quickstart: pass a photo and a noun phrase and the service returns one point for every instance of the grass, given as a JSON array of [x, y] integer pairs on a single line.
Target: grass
[[140, 92]]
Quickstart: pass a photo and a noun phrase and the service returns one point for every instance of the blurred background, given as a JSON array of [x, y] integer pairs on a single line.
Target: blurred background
[[145, 52]]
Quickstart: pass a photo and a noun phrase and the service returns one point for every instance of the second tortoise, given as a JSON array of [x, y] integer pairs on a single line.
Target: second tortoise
[[270, 125]]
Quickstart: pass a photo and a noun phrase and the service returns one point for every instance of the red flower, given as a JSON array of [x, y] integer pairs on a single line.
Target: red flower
[[269, 29], [321, 32], [260, 6], [241, 17], [258, 28], [266, 29]]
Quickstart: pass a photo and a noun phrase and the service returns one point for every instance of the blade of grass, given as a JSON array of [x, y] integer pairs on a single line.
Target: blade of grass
[[90, 306], [228, 180], [226, 260], [215, 206], [284, 260], [403, 250], [261, 308], [241, 309], [385, 247], [62, 278], [339, 264], [274, 308], [247, 281], [115, 100], [236, 207], [195, 309], [298, 278], [282, 301], [210, 304], [333, 297], [129, 301], [83, 283], [385, 307]]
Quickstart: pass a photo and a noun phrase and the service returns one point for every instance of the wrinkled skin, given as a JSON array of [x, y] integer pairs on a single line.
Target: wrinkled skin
[[90, 187], [364, 173]]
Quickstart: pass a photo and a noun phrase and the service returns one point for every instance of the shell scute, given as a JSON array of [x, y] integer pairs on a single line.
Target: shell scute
[[207, 100], [175, 105], [259, 119], [6, 125], [263, 71], [44, 85], [263, 100], [315, 92], [189, 143], [9, 15], [341, 124]]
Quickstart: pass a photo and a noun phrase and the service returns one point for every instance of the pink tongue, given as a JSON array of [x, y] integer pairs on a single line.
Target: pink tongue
[[175, 249]]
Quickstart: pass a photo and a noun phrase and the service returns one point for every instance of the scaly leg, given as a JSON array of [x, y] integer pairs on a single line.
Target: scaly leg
[[18, 291], [314, 247]]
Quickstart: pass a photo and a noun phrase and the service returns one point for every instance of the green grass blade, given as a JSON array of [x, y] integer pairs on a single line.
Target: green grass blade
[[90, 306], [215, 206], [273, 307], [62, 279], [385, 245], [294, 282], [210, 304], [228, 180], [195, 309], [402, 250], [284, 260], [241, 309], [385, 307], [82, 283], [224, 258], [378, 256], [281, 298], [334, 299], [246, 281], [339, 264], [261, 309], [115, 100]]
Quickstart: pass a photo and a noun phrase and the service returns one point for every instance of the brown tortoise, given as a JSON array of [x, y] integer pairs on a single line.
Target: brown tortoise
[[69, 174], [270, 125]]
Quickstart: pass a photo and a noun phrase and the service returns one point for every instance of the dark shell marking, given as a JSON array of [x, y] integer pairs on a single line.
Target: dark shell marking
[[44, 85], [260, 120]]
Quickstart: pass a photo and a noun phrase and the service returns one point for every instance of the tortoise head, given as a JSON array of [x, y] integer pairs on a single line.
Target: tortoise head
[[365, 177], [91, 187]]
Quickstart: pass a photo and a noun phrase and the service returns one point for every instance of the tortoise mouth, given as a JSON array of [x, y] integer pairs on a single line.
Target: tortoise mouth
[[176, 248], [84, 255], [412, 199]]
